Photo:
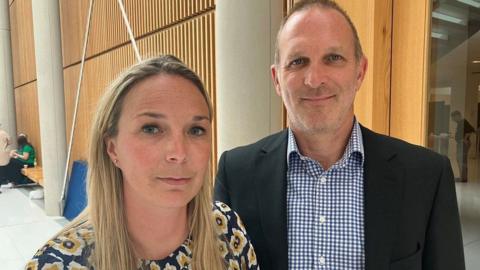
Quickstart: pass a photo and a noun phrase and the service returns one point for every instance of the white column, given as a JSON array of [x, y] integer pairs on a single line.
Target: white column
[[51, 104], [247, 106], [7, 101]]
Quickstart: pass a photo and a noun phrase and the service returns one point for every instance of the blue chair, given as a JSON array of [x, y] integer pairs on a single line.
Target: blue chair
[[76, 199]]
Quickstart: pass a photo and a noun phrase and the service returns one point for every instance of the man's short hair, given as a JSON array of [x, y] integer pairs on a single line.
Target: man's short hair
[[326, 4]]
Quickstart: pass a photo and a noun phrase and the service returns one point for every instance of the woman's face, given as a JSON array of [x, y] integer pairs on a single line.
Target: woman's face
[[163, 144]]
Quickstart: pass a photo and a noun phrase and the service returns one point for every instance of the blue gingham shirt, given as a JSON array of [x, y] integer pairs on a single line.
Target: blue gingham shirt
[[325, 209]]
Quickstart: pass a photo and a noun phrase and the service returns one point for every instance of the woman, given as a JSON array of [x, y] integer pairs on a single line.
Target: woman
[[149, 190], [23, 156]]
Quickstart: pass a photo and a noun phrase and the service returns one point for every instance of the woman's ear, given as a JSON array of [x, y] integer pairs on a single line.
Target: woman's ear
[[111, 144]]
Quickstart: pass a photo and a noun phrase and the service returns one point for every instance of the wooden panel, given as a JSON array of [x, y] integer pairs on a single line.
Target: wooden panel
[[373, 20], [26, 108], [108, 30], [73, 17], [23, 47], [35, 174], [410, 63], [192, 41], [98, 73]]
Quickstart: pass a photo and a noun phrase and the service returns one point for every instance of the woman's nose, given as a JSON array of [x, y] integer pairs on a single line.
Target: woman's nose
[[176, 150]]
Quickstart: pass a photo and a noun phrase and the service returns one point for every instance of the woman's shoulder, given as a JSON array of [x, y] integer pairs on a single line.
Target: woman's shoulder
[[235, 239], [226, 219], [27, 148], [70, 249]]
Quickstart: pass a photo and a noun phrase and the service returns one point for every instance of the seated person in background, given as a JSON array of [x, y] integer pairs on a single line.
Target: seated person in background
[[149, 186], [4, 155], [23, 156]]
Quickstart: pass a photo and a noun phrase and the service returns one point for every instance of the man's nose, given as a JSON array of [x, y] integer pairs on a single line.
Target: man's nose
[[315, 76]]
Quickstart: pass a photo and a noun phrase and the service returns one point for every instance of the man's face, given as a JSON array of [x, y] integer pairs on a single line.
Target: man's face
[[317, 75]]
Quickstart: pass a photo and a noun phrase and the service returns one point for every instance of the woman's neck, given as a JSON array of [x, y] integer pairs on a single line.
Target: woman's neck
[[155, 232]]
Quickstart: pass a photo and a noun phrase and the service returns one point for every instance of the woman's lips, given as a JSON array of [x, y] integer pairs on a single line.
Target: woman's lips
[[176, 181]]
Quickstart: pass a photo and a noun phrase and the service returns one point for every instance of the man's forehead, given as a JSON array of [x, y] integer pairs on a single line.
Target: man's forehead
[[315, 15], [315, 23]]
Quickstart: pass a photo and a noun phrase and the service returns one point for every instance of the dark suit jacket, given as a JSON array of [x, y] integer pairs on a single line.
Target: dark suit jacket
[[411, 214]]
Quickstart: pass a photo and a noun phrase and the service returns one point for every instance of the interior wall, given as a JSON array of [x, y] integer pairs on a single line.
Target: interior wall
[[24, 72], [27, 115], [410, 69]]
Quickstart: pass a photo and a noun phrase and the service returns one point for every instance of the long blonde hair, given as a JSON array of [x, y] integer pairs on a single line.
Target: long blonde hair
[[105, 210]]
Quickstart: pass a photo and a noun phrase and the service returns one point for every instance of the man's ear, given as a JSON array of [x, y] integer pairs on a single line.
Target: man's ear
[[361, 71], [274, 72]]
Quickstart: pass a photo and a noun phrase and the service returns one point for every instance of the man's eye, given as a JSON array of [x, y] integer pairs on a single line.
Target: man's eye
[[334, 58], [149, 129], [298, 61], [197, 131]]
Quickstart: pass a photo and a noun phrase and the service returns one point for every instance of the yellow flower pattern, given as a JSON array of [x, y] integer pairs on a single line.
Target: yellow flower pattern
[[73, 249], [237, 242], [221, 221]]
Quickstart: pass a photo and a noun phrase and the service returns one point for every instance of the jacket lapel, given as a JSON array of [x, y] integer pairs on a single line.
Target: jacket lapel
[[383, 194], [272, 197]]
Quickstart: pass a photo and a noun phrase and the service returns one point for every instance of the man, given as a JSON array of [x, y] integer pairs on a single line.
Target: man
[[327, 193], [462, 138]]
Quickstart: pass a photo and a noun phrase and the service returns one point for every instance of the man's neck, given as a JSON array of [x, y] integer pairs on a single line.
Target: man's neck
[[324, 147]]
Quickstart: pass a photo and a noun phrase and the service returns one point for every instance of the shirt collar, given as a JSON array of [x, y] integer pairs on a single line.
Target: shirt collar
[[355, 145]]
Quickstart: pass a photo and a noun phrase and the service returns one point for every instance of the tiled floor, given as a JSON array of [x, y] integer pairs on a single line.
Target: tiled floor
[[24, 227]]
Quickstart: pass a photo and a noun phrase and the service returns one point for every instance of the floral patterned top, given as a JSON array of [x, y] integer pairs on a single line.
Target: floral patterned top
[[73, 248]]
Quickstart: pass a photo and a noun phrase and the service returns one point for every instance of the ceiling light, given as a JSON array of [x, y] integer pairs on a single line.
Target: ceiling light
[[447, 18], [470, 2], [439, 36]]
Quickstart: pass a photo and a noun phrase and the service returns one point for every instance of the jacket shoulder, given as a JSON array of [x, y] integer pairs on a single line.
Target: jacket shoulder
[[408, 152]]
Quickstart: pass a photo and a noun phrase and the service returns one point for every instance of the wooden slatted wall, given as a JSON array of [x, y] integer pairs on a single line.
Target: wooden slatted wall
[[27, 115], [24, 72], [182, 28]]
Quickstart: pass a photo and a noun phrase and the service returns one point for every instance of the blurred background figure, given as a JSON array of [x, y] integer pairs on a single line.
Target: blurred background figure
[[4, 154], [23, 156], [462, 138]]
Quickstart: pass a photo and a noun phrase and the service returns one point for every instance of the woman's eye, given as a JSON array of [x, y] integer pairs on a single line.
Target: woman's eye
[[197, 131], [149, 129]]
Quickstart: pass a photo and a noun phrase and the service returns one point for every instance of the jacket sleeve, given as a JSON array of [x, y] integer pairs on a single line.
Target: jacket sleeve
[[443, 244], [221, 187]]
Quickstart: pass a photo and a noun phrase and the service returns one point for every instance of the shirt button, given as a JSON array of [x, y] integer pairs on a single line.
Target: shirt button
[[322, 219], [322, 260], [323, 180]]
